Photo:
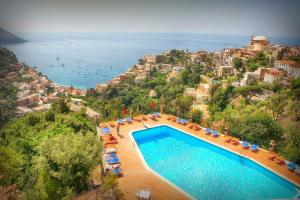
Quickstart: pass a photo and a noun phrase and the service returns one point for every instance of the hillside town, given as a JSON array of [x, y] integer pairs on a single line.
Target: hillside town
[[220, 65], [35, 91]]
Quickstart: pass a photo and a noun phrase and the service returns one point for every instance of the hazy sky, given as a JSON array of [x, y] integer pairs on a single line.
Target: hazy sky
[[260, 17]]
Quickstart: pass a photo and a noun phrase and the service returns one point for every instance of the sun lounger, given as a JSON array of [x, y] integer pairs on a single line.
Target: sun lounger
[[129, 120], [110, 142], [156, 114], [112, 160], [245, 145], [109, 139], [271, 157], [112, 124], [110, 150], [120, 121], [110, 146], [144, 118], [111, 155], [137, 119], [105, 131], [197, 128], [215, 133], [169, 118], [191, 126], [117, 171], [254, 147], [207, 131], [184, 121], [227, 139], [143, 195], [291, 166], [112, 166], [235, 141], [297, 171], [280, 161], [151, 116]]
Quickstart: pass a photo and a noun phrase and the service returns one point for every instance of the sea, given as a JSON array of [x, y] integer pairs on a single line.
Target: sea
[[83, 60]]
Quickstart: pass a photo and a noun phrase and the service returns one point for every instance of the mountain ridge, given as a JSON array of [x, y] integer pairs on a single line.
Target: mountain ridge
[[9, 38]]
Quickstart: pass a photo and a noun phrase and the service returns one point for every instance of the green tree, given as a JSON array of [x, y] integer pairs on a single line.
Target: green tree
[[162, 59], [276, 103], [294, 110], [238, 64], [255, 127], [292, 148], [110, 187], [60, 106], [68, 159], [196, 115], [183, 105], [10, 165], [295, 88]]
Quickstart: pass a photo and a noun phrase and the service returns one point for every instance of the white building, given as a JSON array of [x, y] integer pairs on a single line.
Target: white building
[[294, 71], [291, 67], [249, 77], [272, 75]]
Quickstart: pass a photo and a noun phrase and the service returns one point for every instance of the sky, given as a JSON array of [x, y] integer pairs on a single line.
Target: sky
[[233, 17]]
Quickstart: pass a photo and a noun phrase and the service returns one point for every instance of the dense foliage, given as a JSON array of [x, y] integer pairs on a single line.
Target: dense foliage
[[259, 121], [135, 96], [238, 64], [48, 155], [7, 90], [260, 60]]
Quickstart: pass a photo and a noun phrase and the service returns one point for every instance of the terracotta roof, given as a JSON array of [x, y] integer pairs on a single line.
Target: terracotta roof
[[274, 72]]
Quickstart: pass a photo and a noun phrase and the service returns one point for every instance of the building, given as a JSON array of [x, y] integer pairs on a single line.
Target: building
[[249, 77], [291, 67], [101, 87], [225, 70], [192, 92], [258, 43], [283, 64], [28, 100], [140, 78], [294, 71], [272, 75], [150, 59]]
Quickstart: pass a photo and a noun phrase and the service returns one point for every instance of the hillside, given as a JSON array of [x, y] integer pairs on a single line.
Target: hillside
[[9, 38]]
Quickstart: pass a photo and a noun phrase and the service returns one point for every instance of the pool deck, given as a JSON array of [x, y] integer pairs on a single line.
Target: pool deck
[[137, 176]]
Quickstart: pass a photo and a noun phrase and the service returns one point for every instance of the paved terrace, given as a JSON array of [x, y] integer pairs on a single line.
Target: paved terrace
[[136, 176]]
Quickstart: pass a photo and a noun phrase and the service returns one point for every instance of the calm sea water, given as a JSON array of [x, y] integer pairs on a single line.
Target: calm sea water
[[206, 171], [85, 59]]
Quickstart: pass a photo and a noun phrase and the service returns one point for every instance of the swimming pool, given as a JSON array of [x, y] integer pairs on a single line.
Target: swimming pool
[[206, 171]]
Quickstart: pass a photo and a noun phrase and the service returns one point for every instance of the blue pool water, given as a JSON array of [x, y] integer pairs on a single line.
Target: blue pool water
[[206, 171]]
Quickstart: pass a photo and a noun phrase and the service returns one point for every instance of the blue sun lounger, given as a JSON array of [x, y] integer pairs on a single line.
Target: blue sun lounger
[[105, 131], [291, 166], [245, 144], [156, 114], [183, 121], [117, 171], [215, 133], [112, 160], [207, 130], [254, 147], [111, 155], [120, 121], [129, 120]]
